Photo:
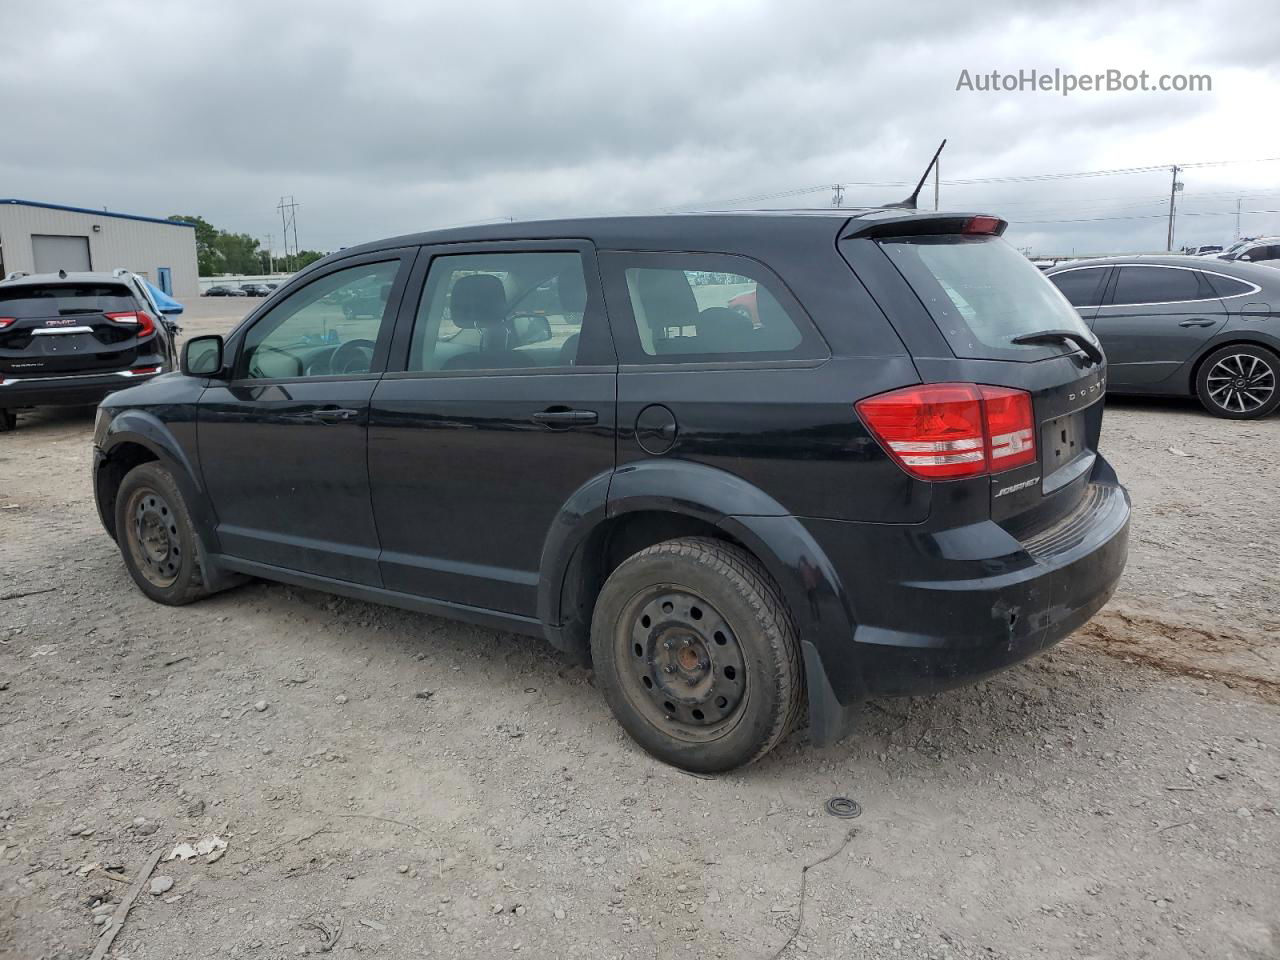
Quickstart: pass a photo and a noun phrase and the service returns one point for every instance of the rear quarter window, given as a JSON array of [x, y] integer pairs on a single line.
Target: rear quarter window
[[1229, 286]]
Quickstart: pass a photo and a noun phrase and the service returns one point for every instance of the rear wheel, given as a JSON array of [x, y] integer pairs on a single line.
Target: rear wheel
[[8, 421], [697, 655], [1239, 382], [156, 536]]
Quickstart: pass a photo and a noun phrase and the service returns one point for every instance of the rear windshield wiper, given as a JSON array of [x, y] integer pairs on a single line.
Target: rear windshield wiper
[[1091, 349]]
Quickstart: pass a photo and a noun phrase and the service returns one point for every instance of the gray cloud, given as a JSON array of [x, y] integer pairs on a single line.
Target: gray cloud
[[388, 117]]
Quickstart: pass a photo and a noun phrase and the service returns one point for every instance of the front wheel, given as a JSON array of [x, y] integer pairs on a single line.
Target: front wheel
[[1240, 382], [156, 536], [697, 655]]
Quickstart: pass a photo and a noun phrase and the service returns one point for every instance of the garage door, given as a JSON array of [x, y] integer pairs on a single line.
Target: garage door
[[53, 253]]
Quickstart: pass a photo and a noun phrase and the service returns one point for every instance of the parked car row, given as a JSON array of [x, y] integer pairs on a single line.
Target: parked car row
[[741, 510], [244, 290]]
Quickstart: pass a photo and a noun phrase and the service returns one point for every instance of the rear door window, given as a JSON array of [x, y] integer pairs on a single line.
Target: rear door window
[[696, 307], [982, 293], [1151, 285]]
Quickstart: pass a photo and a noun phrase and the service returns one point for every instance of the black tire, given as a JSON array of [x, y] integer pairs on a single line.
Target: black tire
[[8, 421], [1239, 382], [697, 655], [156, 536]]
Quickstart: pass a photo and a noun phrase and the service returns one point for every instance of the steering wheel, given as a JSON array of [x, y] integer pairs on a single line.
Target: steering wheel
[[354, 356]]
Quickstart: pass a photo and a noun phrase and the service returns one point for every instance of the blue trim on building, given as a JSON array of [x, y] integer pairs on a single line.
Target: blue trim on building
[[96, 213]]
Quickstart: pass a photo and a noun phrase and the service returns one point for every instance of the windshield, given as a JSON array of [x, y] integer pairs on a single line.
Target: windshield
[[983, 293]]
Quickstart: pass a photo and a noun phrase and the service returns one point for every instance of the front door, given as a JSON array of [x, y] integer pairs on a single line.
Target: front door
[[282, 443], [1154, 320], [502, 408]]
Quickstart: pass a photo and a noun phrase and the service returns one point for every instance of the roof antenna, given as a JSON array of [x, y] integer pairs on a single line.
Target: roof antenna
[[910, 202], [62, 273]]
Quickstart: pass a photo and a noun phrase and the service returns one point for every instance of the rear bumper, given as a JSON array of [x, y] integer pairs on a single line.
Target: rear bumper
[[69, 390], [939, 609]]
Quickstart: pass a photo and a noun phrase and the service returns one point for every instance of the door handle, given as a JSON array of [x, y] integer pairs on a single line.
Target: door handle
[[1198, 322], [564, 417], [334, 414]]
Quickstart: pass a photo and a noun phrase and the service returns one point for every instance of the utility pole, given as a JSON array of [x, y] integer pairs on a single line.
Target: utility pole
[[837, 195], [271, 257], [1174, 187], [288, 208], [1237, 218], [937, 174]]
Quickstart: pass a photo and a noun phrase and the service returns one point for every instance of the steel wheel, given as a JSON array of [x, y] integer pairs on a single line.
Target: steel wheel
[[1241, 383], [152, 536], [682, 665]]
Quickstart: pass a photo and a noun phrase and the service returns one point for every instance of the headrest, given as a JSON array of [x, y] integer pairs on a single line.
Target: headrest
[[573, 291], [667, 298], [721, 330], [478, 301]]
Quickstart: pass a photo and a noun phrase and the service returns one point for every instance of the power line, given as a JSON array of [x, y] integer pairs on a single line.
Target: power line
[[288, 208], [1153, 216]]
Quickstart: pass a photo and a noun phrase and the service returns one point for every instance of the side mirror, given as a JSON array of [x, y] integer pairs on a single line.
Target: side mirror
[[202, 356], [531, 328]]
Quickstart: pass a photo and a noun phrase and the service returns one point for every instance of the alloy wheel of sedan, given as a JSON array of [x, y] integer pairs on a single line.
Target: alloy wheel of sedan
[[1241, 383]]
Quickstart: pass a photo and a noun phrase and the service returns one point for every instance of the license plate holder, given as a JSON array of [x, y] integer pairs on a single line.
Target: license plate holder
[[1062, 440], [68, 343]]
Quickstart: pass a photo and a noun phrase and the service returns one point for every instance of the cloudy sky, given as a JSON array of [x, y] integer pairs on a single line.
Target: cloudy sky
[[389, 116]]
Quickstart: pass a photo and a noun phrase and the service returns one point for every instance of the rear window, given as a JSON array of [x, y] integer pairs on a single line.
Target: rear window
[[982, 293], [64, 299]]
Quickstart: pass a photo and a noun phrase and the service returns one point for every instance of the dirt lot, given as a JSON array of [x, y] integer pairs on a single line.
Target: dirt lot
[[424, 789]]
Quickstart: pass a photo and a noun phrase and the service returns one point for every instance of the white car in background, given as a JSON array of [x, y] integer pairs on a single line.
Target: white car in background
[[1263, 250]]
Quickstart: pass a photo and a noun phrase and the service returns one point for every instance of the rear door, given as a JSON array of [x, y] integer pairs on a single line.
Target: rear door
[[1153, 320], [62, 329], [499, 406]]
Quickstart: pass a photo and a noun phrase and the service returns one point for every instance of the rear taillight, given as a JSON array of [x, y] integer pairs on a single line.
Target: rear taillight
[[1011, 433], [146, 326], [5, 321], [941, 431]]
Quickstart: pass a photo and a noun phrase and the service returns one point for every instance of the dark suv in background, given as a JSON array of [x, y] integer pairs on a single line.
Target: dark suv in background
[[882, 479], [72, 338]]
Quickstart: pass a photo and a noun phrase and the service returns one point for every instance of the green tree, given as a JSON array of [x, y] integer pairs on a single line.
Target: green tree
[[207, 255]]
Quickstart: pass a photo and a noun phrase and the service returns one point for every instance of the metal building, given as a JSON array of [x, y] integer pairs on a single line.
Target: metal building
[[46, 237]]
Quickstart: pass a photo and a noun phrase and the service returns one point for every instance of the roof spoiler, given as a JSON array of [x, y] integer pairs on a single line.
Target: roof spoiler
[[910, 202], [909, 224]]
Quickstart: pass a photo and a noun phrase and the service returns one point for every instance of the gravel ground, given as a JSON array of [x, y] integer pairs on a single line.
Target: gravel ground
[[407, 787]]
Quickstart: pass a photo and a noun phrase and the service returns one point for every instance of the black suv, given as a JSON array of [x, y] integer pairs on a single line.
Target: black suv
[[882, 478], [72, 338]]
